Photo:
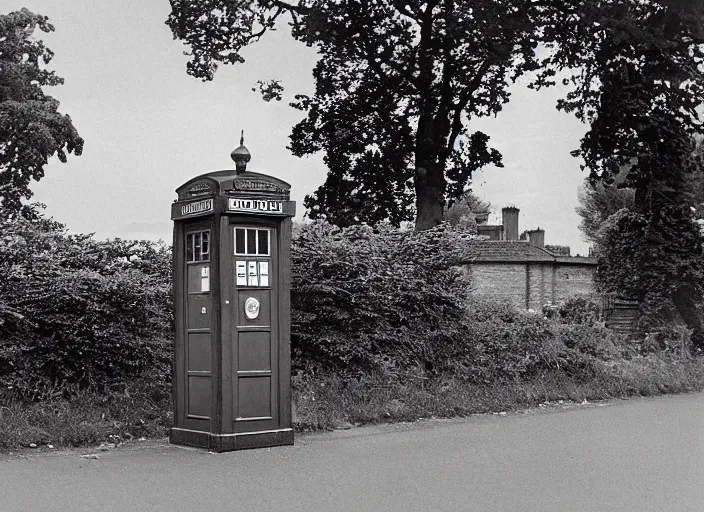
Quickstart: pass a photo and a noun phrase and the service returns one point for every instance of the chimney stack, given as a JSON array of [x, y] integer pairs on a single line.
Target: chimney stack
[[509, 216], [536, 237]]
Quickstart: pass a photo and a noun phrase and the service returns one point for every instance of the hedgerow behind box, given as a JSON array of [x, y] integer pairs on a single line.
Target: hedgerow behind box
[[365, 297], [77, 312]]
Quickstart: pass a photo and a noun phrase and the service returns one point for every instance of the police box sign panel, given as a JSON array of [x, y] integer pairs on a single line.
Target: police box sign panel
[[255, 206], [199, 207], [256, 185]]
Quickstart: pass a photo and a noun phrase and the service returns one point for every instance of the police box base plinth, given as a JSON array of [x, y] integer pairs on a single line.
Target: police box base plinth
[[231, 442]]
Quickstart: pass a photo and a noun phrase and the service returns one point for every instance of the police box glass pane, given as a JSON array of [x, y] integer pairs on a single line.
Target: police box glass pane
[[196, 246], [239, 241], [189, 247], [205, 245], [263, 247], [251, 241]]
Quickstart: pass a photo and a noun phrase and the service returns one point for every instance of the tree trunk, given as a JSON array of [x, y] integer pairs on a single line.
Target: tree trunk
[[683, 299], [429, 186], [641, 199]]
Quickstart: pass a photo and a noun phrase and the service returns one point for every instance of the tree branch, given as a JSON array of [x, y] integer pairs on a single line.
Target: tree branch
[[464, 100], [288, 7], [406, 74]]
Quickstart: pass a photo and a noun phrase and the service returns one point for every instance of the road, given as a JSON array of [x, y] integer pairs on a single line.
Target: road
[[637, 455]]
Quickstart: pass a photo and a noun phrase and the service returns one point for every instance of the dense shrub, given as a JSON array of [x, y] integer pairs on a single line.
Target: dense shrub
[[657, 260], [366, 297], [77, 312], [494, 342], [579, 309], [386, 300], [593, 340]]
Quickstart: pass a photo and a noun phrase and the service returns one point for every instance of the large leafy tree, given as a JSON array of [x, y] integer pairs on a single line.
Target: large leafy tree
[[396, 86], [597, 202], [638, 83], [31, 127]]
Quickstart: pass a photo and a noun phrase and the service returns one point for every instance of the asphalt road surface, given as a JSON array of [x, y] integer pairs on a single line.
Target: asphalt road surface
[[636, 455]]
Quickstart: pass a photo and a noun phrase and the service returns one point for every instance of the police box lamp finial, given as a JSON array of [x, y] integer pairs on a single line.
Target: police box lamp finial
[[241, 156]]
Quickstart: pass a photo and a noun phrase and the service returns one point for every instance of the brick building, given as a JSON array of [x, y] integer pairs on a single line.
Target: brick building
[[521, 269]]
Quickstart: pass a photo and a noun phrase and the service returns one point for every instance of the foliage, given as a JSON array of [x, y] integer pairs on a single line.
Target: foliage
[[577, 309], [90, 312], [654, 264], [647, 255], [31, 128], [596, 341], [362, 297], [500, 344], [142, 408], [389, 301], [396, 86], [638, 82], [327, 401], [382, 330], [130, 410], [618, 251], [597, 202], [649, 252], [462, 213]]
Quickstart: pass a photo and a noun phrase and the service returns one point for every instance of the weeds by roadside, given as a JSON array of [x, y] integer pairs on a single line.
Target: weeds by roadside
[[328, 401], [88, 418]]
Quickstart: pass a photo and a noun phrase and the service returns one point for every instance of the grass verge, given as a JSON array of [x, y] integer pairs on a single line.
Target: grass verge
[[326, 402], [88, 418]]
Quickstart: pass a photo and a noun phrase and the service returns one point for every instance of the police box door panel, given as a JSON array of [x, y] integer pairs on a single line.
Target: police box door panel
[[198, 335], [255, 340]]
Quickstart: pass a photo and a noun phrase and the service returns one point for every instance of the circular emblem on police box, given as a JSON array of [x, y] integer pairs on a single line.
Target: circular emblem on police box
[[251, 308]]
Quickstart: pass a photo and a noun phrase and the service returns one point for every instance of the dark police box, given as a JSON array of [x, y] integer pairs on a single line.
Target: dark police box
[[232, 360]]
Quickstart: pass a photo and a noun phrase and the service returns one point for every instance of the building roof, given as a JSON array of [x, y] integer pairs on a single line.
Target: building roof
[[519, 251], [575, 260]]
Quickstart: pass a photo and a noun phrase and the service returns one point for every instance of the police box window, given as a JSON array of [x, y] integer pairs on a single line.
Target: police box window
[[198, 246], [252, 241]]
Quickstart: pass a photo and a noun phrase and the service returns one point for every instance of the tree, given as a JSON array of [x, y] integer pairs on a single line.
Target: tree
[[660, 265], [463, 212], [31, 128], [396, 86], [639, 82], [597, 202]]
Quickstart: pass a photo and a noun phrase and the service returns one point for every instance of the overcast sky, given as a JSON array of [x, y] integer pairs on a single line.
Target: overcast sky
[[149, 127]]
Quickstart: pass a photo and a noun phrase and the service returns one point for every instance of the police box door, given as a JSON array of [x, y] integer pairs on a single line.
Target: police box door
[[255, 338]]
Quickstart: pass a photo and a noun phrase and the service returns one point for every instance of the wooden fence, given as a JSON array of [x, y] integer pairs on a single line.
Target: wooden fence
[[620, 314]]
